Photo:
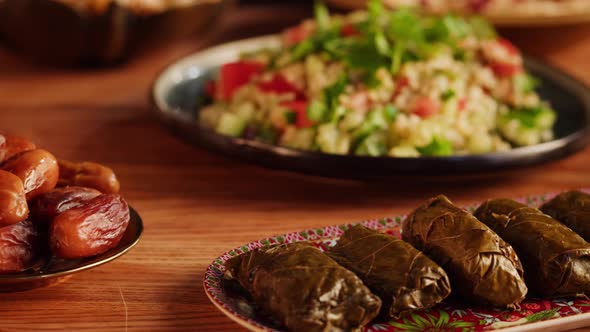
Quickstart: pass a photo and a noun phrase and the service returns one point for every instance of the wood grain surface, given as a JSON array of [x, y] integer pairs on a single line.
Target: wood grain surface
[[196, 204]]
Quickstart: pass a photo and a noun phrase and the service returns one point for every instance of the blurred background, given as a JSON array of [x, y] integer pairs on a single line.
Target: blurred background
[[90, 33], [55, 50], [106, 32]]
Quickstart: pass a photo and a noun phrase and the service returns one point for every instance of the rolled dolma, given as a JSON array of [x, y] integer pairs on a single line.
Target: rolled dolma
[[483, 269], [556, 260], [304, 289], [572, 209], [403, 277]]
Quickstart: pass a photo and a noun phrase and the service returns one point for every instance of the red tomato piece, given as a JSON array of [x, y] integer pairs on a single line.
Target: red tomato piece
[[297, 34], [234, 75], [300, 108], [400, 84], [426, 107], [280, 85], [508, 46], [505, 69], [462, 104], [349, 30]]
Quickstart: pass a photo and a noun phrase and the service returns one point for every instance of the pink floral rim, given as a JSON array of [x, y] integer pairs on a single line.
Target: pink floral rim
[[445, 317]]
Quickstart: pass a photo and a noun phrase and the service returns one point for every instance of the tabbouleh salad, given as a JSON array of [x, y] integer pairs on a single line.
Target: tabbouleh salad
[[383, 83]]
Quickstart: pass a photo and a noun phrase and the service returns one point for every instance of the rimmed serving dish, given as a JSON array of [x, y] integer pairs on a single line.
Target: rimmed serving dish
[[51, 270], [533, 315], [179, 88]]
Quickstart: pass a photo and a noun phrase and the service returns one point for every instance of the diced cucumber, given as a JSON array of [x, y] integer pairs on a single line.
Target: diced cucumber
[[390, 112], [438, 147], [375, 145], [331, 140], [378, 118], [316, 111], [525, 83], [540, 117], [338, 113], [526, 126], [231, 125], [362, 132], [546, 119], [351, 120], [423, 133], [520, 135]]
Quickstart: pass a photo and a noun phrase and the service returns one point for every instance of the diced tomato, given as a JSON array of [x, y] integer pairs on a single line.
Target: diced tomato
[[297, 34], [234, 75], [280, 85], [508, 46], [509, 67], [349, 30], [462, 104], [300, 108], [426, 107], [505, 69], [211, 88], [401, 83]]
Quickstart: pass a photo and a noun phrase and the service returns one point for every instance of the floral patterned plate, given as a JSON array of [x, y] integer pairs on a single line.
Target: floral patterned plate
[[534, 314]]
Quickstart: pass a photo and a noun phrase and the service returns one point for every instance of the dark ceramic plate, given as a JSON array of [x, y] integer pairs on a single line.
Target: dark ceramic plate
[[180, 87], [51, 270]]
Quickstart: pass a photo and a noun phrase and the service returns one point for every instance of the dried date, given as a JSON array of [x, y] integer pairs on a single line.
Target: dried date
[[88, 174], [47, 206], [19, 247], [37, 169], [14, 145], [13, 202], [89, 229]]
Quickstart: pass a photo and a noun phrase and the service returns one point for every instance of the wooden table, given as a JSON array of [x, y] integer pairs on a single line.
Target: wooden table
[[196, 204]]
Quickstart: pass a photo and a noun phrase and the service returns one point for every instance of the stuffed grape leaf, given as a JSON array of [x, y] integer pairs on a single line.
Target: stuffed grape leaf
[[483, 269], [572, 209], [403, 277], [304, 289], [556, 260]]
